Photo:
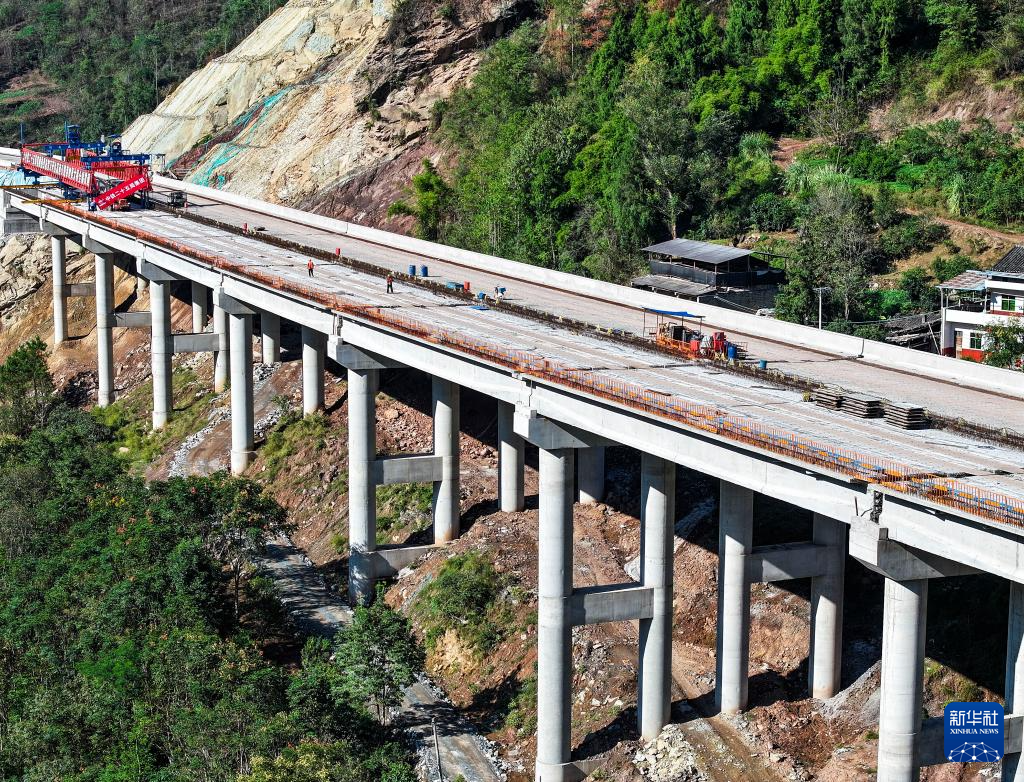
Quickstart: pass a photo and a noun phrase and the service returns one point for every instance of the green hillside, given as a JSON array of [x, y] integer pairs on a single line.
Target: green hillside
[[102, 63], [594, 133]]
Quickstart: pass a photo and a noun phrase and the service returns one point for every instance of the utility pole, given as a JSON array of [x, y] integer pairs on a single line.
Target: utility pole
[[821, 292]]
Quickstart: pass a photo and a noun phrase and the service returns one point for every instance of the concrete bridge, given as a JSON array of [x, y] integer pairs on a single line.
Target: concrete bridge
[[911, 505]]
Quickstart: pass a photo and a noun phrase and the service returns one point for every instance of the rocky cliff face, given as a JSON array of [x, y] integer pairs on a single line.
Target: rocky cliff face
[[327, 104], [24, 266]]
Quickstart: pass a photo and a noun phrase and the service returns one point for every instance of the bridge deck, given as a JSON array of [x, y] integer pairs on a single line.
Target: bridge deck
[[946, 399], [927, 452]]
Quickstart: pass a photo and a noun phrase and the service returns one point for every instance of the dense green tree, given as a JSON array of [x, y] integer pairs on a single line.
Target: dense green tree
[[338, 761], [836, 250], [1004, 344], [431, 202], [111, 61], [26, 391], [120, 655], [378, 657], [746, 30], [945, 269], [664, 128]]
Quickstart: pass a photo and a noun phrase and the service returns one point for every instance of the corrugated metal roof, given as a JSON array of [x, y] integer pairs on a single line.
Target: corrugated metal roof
[[675, 286], [1013, 261], [966, 281], [698, 251]]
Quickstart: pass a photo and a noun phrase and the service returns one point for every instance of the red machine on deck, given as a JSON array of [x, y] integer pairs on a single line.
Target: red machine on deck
[[97, 170]]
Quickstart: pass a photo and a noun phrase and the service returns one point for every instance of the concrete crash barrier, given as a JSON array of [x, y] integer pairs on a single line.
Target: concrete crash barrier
[[951, 370]]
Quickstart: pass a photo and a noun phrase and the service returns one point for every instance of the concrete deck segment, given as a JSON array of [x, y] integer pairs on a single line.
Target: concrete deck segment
[[849, 371], [929, 451]]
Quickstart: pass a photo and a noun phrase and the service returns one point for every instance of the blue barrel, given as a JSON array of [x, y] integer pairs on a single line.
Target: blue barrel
[[762, 364], [412, 269], [730, 352], [423, 271], [480, 296]]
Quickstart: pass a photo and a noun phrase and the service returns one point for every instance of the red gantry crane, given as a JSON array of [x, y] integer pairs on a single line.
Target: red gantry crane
[[97, 170]]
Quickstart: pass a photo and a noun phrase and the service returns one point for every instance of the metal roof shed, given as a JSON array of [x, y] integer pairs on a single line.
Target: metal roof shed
[[971, 280], [702, 252]]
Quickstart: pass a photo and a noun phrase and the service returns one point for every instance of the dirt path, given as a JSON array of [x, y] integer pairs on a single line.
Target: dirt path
[[723, 753], [991, 232], [714, 737], [319, 611]]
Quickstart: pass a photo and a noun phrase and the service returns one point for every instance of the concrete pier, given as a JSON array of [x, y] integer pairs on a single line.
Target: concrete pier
[[590, 474], [200, 307], [220, 357], [903, 638], [313, 346], [554, 637], [104, 328], [825, 664], [58, 248], [242, 423], [735, 539], [270, 337], [511, 458], [162, 351], [1013, 690], [446, 445], [362, 498], [657, 510]]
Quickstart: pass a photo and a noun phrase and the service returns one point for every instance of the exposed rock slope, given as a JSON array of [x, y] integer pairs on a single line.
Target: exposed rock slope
[[323, 96]]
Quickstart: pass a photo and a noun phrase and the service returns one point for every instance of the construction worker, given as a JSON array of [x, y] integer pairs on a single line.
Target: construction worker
[[391, 284], [309, 267]]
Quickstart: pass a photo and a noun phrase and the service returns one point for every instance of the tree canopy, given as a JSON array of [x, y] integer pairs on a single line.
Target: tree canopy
[[136, 642]]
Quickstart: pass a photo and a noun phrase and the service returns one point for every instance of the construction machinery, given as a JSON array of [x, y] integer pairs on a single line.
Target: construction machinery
[[99, 171], [683, 332]]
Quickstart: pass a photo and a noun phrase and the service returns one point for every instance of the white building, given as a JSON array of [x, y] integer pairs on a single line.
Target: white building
[[974, 300]]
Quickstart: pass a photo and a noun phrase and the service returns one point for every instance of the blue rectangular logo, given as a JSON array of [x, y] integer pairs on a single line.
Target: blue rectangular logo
[[973, 733]]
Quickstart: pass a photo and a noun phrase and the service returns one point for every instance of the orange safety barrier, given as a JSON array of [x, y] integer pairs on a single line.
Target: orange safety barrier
[[971, 499], [707, 418]]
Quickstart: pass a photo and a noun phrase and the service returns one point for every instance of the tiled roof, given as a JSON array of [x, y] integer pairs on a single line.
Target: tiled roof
[[1013, 261]]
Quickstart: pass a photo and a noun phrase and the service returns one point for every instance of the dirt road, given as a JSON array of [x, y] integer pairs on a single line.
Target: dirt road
[[319, 611]]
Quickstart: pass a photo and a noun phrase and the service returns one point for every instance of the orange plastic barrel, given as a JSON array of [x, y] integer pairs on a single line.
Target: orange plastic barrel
[[466, 286]]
